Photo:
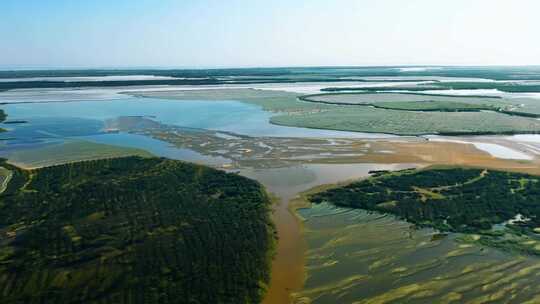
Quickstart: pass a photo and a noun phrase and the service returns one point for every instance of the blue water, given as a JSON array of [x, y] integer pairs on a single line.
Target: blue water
[[56, 121], [231, 116]]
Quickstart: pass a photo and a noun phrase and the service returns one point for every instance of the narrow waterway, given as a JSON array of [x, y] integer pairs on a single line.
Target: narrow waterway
[[288, 273]]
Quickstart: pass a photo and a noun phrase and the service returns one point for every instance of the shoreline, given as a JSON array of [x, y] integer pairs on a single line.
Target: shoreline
[[288, 267], [305, 98], [456, 155]]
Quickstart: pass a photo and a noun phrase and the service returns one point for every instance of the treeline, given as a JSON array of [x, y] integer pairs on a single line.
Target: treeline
[[133, 230], [180, 73], [462, 200], [496, 73], [43, 84]]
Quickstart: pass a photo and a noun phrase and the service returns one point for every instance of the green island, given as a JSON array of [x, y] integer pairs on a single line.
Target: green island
[[496, 208], [133, 230]]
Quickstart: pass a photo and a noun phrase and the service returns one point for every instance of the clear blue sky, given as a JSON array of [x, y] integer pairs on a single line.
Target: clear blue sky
[[217, 33]]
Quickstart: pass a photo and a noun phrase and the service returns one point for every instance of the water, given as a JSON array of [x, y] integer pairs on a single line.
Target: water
[[226, 115], [156, 147], [495, 150], [356, 256], [287, 182], [85, 120]]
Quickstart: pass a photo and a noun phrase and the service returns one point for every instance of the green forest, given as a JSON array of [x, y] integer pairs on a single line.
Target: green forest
[[449, 199], [133, 230]]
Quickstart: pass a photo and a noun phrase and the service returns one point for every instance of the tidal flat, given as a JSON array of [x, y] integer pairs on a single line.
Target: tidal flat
[[356, 256], [278, 164], [290, 110], [289, 161]]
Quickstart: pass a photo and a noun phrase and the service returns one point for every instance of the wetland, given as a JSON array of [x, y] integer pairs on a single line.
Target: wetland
[[335, 243]]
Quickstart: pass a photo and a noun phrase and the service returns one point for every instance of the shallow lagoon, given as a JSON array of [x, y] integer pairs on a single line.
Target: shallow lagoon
[[85, 120], [226, 115]]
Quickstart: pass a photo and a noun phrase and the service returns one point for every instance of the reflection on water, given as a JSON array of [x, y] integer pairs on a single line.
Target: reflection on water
[[223, 115], [364, 257], [42, 128]]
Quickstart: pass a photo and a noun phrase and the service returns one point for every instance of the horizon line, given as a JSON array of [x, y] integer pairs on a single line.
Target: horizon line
[[225, 67]]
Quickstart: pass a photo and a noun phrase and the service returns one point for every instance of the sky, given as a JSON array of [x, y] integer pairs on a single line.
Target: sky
[[253, 33]]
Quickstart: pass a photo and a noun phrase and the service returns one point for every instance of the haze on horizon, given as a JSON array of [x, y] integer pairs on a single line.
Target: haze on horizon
[[236, 33]]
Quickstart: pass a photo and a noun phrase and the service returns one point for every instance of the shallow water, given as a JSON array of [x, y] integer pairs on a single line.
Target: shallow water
[[501, 151], [286, 183], [383, 241], [365, 257], [495, 150], [156, 147], [225, 115]]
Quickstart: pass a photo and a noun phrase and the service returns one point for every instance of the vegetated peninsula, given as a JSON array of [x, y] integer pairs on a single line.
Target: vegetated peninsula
[[473, 201], [133, 230]]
